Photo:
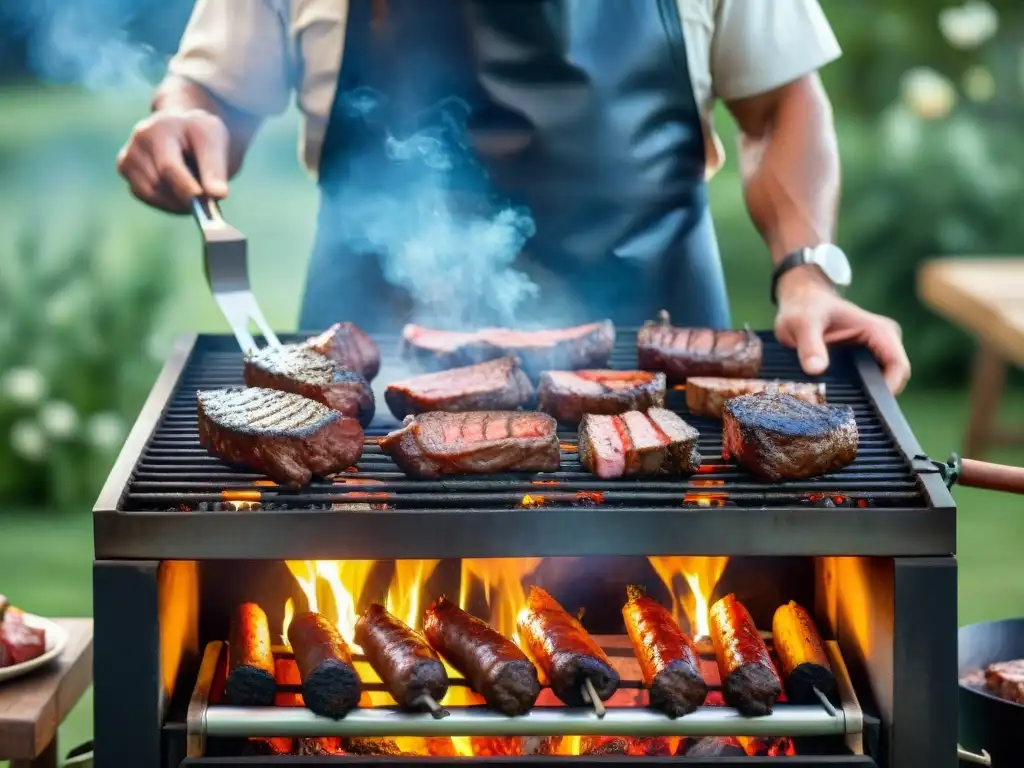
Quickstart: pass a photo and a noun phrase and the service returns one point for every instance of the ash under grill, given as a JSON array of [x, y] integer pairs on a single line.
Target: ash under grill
[[165, 483]]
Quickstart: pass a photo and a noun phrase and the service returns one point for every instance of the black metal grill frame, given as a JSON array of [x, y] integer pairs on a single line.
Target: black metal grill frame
[[147, 509]]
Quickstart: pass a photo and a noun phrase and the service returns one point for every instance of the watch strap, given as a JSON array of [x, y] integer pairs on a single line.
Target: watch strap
[[788, 262]]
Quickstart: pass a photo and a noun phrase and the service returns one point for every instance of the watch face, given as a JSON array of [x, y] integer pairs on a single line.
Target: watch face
[[833, 263]]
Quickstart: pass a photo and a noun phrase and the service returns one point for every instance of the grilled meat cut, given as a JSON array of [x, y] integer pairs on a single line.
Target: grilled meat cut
[[635, 443], [284, 436], [584, 346], [1005, 679], [567, 395], [684, 352], [476, 442], [19, 642], [780, 437], [801, 654], [349, 346], [406, 665], [564, 650], [749, 680], [330, 684], [706, 395], [310, 374], [668, 658], [491, 663], [498, 385]]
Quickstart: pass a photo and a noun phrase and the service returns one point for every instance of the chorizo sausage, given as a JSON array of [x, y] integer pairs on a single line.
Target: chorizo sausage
[[802, 660], [749, 680], [330, 685], [250, 679]]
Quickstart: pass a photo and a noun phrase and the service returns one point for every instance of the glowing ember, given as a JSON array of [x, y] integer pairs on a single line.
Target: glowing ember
[[701, 575], [265, 483], [532, 501], [367, 495], [679, 387], [707, 483], [357, 481], [594, 497], [240, 495], [706, 499], [707, 469], [544, 482], [568, 447]]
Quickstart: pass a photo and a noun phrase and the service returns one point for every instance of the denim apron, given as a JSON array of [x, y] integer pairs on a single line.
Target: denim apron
[[567, 129]]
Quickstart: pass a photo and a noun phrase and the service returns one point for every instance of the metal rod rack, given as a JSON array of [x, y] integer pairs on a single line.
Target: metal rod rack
[[206, 720]]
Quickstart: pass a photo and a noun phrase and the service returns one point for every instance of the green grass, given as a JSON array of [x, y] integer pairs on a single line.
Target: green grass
[[46, 562]]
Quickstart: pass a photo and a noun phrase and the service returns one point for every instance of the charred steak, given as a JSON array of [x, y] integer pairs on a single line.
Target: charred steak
[[567, 395], [498, 385], [348, 345], [635, 443], [685, 352], [781, 437], [310, 374], [287, 437], [706, 395], [475, 442], [585, 346]]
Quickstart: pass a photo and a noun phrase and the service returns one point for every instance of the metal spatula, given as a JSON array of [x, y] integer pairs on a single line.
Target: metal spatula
[[227, 271]]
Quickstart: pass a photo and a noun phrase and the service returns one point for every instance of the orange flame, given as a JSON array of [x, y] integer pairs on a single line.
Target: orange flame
[[532, 501], [701, 574]]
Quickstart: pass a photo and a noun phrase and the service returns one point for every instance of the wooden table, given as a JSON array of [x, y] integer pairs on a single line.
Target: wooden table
[[985, 297], [33, 707]]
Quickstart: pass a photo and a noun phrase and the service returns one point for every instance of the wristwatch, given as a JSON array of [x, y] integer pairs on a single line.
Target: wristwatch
[[827, 257]]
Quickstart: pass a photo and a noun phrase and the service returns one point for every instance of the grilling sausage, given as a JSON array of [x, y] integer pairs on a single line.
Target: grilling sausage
[[749, 680], [490, 662], [802, 660], [668, 659], [250, 681], [564, 651], [330, 685], [407, 666]]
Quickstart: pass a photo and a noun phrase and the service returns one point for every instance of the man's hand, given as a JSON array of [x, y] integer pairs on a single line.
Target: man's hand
[[812, 315], [153, 160]]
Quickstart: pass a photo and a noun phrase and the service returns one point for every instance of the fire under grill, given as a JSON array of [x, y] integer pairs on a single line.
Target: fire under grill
[[542, 731]]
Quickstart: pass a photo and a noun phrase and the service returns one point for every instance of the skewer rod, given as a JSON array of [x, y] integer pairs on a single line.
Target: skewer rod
[[267, 722], [589, 694]]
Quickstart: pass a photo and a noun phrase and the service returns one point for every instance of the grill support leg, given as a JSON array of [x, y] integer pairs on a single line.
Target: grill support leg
[[146, 626], [923, 733]]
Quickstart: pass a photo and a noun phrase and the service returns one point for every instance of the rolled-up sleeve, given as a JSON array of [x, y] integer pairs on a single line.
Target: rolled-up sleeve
[[238, 50], [761, 45]]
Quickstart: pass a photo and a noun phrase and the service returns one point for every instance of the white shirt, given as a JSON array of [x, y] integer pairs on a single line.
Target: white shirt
[[254, 54]]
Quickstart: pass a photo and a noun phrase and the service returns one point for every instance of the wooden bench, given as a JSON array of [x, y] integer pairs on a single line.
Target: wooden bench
[[33, 707], [985, 297]]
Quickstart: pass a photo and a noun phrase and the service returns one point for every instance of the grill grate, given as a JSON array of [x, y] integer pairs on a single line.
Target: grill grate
[[174, 472]]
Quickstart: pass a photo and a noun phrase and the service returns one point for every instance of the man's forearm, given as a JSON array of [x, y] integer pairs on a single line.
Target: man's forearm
[[176, 94], [790, 167]]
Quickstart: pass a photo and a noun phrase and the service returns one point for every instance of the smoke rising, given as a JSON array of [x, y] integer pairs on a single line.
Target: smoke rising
[[86, 42], [433, 220]]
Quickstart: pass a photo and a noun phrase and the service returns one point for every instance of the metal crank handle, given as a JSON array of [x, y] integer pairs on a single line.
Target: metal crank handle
[[969, 757]]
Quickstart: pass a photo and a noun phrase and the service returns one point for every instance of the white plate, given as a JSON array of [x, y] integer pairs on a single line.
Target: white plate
[[56, 639]]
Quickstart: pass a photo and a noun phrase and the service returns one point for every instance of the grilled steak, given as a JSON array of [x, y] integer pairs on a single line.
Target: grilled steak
[[635, 443], [780, 437], [585, 346], [287, 437], [567, 395], [476, 442], [1005, 679], [682, 454], [706, 395], [498, 385], [347, 345], [18, 641], [685, 352], [310, 374]]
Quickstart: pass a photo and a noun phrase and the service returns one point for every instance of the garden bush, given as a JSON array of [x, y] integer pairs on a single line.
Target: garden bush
[[78, 329]]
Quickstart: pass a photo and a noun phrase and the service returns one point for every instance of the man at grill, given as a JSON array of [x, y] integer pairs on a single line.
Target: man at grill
[[594, 115]]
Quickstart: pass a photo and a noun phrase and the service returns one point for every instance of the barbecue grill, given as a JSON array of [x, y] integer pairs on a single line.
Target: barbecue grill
[[181, 538]]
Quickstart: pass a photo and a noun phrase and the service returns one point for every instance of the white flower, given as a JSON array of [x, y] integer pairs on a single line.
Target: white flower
[[979, 85], [969, 25], [23, 386], [28, 440], [105, 430], [59, 419], [929, 94]]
